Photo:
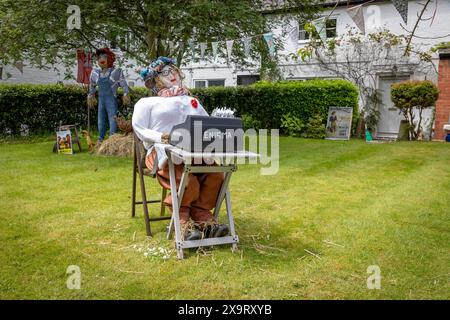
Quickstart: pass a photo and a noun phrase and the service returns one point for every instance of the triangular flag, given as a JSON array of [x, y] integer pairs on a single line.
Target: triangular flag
[[269, 40], [402, 8], [357, 15], [214, 46], [19, 66], [171, 46], [247, 45], [202, 49], [192, 47], [229, 48], [293, 34], [320, 28], [163, 43]]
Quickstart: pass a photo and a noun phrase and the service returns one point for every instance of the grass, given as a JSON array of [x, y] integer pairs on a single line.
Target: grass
[[310, 232]]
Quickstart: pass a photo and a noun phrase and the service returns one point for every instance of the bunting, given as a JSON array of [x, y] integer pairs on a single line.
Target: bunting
[[268, 37], [321, 28], [202, 49], [357, 15], [402, 8], [293, 35], [19, 66], [191, 44], [229, 48], [214, 46], [247, 45]]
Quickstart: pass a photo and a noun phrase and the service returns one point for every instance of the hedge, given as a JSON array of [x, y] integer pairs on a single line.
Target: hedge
[[41, 107], [266, 102]]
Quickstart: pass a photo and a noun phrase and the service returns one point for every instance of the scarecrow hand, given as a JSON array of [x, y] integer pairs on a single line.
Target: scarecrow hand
[[165, 138], [91, 102], [126, 100]]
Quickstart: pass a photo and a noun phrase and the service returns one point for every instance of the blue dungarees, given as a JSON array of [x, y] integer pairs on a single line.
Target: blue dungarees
[[107, 106]]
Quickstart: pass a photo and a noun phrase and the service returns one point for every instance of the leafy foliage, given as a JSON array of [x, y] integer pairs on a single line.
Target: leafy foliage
[[315, 127], [36, 30], [293, 102], [41, 107], [292, 124], [414, 95]]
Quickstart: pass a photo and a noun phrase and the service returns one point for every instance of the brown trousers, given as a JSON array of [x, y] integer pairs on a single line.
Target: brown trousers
[[199, 196]]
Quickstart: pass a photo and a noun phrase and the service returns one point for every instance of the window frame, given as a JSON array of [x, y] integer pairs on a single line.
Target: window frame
[[301, 29], [207, 82]]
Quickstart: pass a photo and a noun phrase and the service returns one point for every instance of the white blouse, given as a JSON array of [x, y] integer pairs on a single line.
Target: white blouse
[[154, 116]]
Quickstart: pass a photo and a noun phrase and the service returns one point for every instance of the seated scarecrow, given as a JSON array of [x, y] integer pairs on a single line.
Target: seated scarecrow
[[153, 119]]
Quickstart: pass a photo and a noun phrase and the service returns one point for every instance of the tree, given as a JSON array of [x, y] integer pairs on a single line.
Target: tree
[[409, 96], [36, 30]]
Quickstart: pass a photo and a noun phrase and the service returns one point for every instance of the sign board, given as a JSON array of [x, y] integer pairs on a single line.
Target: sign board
[[339, 123], [64, 142]]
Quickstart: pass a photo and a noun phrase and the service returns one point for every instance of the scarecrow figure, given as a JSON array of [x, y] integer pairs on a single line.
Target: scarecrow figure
[[107, 78], [153, 119]]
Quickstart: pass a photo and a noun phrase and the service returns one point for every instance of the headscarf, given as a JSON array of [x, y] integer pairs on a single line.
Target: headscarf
[[150, 72]]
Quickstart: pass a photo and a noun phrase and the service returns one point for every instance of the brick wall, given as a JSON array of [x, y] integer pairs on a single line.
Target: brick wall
[[443, 103]]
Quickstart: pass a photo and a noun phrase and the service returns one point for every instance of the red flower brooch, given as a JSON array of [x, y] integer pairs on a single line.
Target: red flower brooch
[[194, 103]]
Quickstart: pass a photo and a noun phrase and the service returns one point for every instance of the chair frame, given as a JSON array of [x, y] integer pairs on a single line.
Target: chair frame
[[138, 169]]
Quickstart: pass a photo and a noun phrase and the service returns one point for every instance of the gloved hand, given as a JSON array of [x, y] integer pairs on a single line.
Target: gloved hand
[[165, 138], [91, 101], [126, 100]]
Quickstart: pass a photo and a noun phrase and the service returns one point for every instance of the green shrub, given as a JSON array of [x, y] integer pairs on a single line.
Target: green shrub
[[411, 96], [315, 128], [40, 108], [263, 105], [292, 125], [267, 102]]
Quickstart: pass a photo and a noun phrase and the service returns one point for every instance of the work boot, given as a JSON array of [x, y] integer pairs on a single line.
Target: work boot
[[216, 231], [188, 232]]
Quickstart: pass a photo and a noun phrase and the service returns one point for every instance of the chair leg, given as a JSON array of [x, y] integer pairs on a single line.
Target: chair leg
[[144, 198], [133, 192], [78, 139], [163, 206]]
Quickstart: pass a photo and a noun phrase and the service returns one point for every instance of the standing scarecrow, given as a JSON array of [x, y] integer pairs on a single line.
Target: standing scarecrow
[[107, 78], [153, 119]]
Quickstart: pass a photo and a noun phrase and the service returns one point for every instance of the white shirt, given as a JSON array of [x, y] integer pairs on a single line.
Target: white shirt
[[157, 115]]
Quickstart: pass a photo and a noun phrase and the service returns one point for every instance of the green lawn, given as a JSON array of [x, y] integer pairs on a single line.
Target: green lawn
[[310, 232]]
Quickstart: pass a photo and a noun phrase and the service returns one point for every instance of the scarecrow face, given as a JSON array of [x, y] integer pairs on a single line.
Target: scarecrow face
[[103, 61], [170, 77]]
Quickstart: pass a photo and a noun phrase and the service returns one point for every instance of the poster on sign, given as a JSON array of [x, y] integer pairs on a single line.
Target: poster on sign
[[64, 142], [339, 123]]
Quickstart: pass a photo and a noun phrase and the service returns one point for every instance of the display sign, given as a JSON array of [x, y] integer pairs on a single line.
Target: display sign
[[339, 123]]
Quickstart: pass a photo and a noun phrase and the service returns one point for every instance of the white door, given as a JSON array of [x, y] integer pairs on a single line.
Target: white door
[[389, 122]]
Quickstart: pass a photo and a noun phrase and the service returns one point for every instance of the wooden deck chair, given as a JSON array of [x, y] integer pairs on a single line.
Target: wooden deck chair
[[139, 168]]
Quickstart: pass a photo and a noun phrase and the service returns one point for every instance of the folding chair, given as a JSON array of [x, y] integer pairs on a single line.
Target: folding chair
[[139, 168]]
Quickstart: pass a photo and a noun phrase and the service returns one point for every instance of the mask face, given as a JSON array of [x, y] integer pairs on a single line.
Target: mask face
[[103, 61], [170, 77]]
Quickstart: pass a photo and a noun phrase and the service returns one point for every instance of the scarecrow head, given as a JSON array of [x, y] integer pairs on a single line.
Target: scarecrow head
[[162, 73], [105, 57]]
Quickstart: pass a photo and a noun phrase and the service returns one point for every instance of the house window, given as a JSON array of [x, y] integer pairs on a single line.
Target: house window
[[209, 83], [246, 80], [330, 26]]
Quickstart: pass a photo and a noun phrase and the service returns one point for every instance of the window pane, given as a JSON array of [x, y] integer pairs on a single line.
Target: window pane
[[199, 83], [331, 28], [216, 83]]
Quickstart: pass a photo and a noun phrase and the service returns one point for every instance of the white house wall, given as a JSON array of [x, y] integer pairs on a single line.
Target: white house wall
[[389, 18]]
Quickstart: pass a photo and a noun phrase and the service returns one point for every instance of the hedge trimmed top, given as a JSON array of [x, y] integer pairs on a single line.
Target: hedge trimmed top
[[41, 107], [267, 102]]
